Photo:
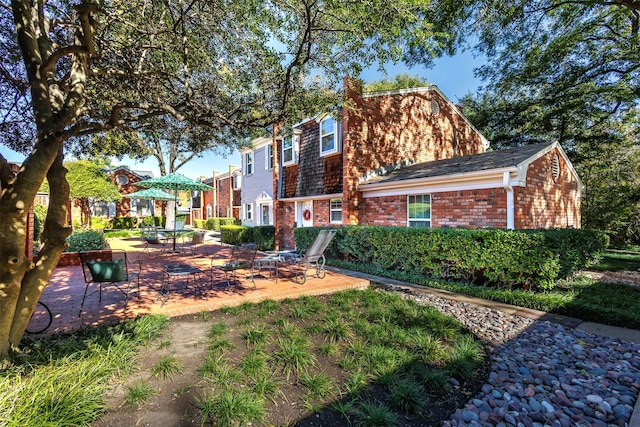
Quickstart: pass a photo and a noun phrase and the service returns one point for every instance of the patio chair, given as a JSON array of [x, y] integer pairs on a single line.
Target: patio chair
[[111, 268], [312, 257], [241, 258], [197, 240], [151, 237]]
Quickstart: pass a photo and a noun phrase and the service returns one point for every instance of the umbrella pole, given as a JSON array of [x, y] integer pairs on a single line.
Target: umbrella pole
[[175, 219]]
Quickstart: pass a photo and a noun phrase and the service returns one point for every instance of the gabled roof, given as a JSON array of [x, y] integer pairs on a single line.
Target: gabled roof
[[138, 173], [464, 164], [466, 168]]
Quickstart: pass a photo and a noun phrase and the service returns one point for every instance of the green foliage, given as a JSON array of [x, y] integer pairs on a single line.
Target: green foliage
[[89, 180], [264, 237], [148, 221], [532, 259], [69, 375], [121, 222], [235, 234], [86, 240], [98, 222], [200, 223], [217, 223], [400, 81]]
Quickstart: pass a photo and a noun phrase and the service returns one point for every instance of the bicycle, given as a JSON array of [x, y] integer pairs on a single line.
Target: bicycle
[[40, 319]]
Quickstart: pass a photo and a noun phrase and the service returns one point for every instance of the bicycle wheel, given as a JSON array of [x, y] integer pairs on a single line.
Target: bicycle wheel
[[40, 319]]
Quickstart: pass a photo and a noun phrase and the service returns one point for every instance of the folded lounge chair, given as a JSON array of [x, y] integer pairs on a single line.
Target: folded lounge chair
[[311, 258]]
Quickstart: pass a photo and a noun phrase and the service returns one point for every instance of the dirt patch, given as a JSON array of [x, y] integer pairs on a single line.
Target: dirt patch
[[175, 402]]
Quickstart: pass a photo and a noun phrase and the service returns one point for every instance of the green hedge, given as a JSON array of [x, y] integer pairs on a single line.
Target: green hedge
[[263, 236], [121, 222], [217, 223], [87, 240], [515, 259]]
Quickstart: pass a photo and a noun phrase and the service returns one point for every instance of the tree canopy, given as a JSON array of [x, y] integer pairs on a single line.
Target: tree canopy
[[567, 72], [73, 70]]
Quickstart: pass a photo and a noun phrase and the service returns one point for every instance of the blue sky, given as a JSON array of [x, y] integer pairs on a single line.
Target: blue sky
[[453, 75]]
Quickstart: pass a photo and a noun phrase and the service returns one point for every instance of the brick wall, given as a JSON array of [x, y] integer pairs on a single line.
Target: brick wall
[[224, 194], [548, 202], [485, 208], [386, 130]]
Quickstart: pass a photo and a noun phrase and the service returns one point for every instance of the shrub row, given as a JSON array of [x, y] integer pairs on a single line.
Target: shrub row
[[215, 223], [263, 235], [508, 258]]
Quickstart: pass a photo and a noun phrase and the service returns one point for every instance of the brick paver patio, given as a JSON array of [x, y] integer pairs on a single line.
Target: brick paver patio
[[64, 293]]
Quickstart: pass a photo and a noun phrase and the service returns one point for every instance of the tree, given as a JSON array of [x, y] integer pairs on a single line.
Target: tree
[[399, 81], [570, 72], [71, 71], [88, 183]]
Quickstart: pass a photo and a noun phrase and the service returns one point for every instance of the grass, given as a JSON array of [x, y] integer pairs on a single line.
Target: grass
[[167, 367], [608, 303], [374, 378], [619, 261], [63, 380], [138, 394]]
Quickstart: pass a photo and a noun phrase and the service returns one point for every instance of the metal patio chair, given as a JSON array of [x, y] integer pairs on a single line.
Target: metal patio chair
[[241, 258], [110, 268]]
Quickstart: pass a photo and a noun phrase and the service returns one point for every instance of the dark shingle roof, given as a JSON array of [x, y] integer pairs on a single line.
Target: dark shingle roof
[[509, 157]]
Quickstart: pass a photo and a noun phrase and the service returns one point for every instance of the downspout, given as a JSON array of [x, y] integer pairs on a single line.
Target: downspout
[[506, 184]]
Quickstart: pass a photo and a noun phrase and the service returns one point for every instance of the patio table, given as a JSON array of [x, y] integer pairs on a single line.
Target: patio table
[[173, 272], [269, 262]]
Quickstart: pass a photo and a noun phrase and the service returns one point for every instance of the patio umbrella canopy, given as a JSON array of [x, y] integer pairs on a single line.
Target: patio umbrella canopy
[[150, 194], [175, 182]]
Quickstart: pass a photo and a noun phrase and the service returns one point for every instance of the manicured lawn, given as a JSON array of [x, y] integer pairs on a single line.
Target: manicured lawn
[[618, 261], [351, 358]]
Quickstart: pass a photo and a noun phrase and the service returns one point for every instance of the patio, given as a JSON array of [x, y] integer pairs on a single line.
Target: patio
[[66, 287]]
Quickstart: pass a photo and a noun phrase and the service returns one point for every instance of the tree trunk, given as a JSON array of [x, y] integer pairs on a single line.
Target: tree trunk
[[21, 282]]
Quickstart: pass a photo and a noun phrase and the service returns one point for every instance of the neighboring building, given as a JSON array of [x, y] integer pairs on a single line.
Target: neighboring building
[[409, 157], [224, 199], [125, 179], [257, 183]]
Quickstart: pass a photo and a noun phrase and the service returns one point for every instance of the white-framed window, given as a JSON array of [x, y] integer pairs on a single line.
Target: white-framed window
[[419, 210], [335, 209], [268, 157], [237, 181], [264, 213], [248, 211], [328, 136], [288, 150], [248, 162]]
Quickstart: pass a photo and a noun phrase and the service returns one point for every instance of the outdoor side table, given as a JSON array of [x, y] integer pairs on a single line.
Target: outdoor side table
[[269, 262], [174, 271]]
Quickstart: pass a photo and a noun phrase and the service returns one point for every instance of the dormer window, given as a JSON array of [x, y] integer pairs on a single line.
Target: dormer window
[[328, 136]]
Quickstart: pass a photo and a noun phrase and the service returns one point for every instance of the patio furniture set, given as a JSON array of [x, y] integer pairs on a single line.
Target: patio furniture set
[[114, 268]]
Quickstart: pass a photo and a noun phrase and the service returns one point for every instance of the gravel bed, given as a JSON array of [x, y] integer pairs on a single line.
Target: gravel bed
[[544, 374]]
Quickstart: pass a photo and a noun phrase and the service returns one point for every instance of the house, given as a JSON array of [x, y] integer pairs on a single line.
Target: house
[[533, 186], [405, 157], [125, 179], [224, 199], [327, 158], [257, 182]]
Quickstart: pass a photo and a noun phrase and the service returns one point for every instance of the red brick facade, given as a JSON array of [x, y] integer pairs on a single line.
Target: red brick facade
[[546, 201], [222, 205]]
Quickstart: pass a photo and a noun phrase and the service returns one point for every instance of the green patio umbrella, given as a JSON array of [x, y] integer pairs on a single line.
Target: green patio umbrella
[[150, 194], [174, 182]]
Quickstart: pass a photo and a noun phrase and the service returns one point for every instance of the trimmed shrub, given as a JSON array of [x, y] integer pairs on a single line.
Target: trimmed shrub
[[147, 221], [199, 223], [121, 222], [87, 240], [235, 234], [217, 223], [264, 237], [509, 258]]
